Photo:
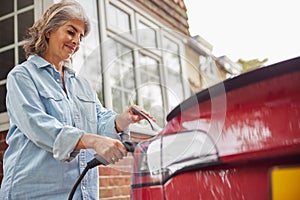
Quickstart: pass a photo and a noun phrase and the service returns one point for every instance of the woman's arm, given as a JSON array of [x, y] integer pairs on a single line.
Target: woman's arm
[[110, 149]]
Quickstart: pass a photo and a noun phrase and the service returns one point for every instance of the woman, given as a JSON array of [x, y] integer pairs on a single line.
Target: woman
[[57, 122]]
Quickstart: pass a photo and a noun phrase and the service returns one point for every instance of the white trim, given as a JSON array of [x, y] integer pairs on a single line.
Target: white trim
[[16, 34], [3, 82], [4, 122]]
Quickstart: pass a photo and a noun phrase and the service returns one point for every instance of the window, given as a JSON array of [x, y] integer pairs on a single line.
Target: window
[[145, 72], [21, 17]]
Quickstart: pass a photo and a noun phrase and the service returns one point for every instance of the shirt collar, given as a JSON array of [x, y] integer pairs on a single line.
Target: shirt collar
[[41, 63], [38, 61]]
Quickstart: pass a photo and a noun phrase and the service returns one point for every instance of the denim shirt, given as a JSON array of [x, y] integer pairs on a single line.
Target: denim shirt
[[46, 124]]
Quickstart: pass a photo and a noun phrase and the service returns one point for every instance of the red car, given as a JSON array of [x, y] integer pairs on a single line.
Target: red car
[[239, 139]]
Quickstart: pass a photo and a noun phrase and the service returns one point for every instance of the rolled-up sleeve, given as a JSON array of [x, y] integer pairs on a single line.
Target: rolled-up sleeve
[[29, 115]]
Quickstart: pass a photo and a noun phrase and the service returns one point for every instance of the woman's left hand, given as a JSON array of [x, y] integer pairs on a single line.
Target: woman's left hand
[[129, 116]]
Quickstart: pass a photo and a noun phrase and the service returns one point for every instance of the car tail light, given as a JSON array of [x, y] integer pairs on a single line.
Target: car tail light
[[142, 175], [158, 159]]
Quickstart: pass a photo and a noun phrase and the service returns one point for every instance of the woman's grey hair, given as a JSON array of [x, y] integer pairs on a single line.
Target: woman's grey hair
[[57, 15]]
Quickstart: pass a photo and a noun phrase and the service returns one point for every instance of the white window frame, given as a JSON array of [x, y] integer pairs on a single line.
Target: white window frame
[[38, 7], [128, 36]]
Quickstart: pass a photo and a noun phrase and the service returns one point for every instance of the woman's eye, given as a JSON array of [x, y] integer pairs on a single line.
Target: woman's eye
[[70, 32]]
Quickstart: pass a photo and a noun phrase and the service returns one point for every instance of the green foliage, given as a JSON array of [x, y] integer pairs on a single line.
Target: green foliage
[[251, 64]]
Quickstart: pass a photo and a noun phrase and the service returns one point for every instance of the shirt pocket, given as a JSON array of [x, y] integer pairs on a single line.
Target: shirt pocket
[[86, 104], [54, 105]]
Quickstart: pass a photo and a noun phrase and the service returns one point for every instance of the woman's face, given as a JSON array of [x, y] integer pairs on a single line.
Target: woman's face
[[65, 41]]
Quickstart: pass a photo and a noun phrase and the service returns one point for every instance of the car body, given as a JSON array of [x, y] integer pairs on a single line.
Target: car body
[[239, 139]]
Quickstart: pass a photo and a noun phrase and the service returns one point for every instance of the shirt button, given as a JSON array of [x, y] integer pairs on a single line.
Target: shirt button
[[57, 80], [83, 187]]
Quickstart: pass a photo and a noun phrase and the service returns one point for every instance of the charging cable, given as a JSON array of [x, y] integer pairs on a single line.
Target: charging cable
[[99, 160]]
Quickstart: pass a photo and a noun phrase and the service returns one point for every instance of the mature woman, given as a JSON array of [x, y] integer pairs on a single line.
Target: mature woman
[[57, 122]]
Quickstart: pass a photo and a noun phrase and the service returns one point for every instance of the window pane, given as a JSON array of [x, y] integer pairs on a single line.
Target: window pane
[[172, 56], [146, 35], [122, 67], [6, 7], [24, 3], [91, 68], [2, 98], [174, 79], [120, 64], [150, 90], [7, 32], [151, 97], [117, 100], [22, 56], [25, 20], [122, 99], [175, 88], [6, 63], [148, 65], [118, 18]]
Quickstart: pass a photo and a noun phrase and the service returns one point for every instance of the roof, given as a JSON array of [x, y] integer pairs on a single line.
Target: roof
[[180, 3]]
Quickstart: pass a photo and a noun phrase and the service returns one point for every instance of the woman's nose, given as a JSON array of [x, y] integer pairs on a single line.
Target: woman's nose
[[76, 40]]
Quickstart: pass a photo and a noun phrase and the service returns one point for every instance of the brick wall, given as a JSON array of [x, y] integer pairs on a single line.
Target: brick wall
[[114, 180], [3, 147]]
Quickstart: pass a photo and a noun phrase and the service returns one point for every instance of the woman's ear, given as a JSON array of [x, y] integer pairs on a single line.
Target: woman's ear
[[47, 35]]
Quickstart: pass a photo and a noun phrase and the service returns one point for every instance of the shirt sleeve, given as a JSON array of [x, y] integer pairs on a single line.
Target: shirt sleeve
[[106, 124], [27, 112], [106, 121]]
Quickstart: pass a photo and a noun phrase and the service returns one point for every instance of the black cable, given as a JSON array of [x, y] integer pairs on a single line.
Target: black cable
[[93, 163], [98, 160]]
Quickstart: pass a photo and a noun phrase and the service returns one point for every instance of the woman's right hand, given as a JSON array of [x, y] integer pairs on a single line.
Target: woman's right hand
[[111, 150]]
